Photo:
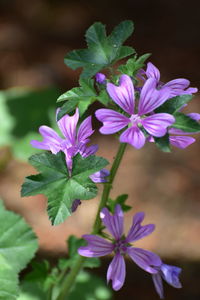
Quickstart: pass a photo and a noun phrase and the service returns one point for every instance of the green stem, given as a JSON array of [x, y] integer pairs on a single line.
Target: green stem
[[68, 283]]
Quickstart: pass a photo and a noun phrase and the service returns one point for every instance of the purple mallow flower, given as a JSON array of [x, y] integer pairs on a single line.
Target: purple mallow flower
[[74, 140], [170, 274], [150, 98], [120, 245], [100, 78], [177, 87]]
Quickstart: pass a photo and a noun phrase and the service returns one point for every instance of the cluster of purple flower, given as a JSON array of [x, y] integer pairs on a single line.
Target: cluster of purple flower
[[152, 95]]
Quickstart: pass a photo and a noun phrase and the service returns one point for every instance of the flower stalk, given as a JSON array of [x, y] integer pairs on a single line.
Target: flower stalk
[[71, 277]]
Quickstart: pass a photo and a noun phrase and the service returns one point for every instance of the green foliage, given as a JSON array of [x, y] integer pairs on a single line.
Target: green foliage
[[163, 143], [81, 97], [185, 123], [133, 64], [20, 117], [119, 200], [103, 50], [61, 188], [174, 104], [87, 287], [18, 245], [8, 281]]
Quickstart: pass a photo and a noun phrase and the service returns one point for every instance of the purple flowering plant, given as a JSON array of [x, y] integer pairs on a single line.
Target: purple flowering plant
[[138, 108]]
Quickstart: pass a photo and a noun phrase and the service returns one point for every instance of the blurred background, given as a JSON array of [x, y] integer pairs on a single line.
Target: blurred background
[[34, 38]]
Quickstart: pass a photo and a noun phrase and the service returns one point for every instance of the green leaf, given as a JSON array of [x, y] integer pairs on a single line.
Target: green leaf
[[8, 281], [18, 245], [185, 123], [60, 188], [174, 104], [87, 287], [81, 96], [67, 108], [133, 65], [119, 200], [103, 97], [102, 50], [163, 143]]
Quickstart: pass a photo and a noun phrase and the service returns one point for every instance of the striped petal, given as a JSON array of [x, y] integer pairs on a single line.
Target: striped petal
[[113, 223], [112, 120], [97, 246], [133, 136], [157, 124], [137, 231], [67, 126], [117, 272], [123, 95], [146, 260]]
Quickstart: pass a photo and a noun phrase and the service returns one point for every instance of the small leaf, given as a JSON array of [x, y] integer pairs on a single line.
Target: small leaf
[[67, 108], [103, 97], [174, 104], [163, 143], [185, 123], [102, 50], [80, 97], [119, 200], [133, 65], [60, 188]]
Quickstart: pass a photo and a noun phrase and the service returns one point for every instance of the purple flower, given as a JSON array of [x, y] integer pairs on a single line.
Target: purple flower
[[73, 142], [177, 87], [120, 245], [100, 78], [170, 274], [150, 98]]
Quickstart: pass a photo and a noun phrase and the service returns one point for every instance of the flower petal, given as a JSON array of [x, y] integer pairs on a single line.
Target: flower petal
[[194, 116], [123, 95], [171, 275], [151, 98], [157, 280], [113, 223], [67, 126], [157, 124], [137, 231], [152, 71], [100, 176], [51, 140], [146, 260], [112, 120], [181, 142], [133, 136], [178, 87], [87, 151], [97, 246], [117, 272], [85, 130]]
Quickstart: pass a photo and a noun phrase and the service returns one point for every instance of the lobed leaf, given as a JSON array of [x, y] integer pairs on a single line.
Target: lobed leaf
[[102, 50], [60, 188]]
